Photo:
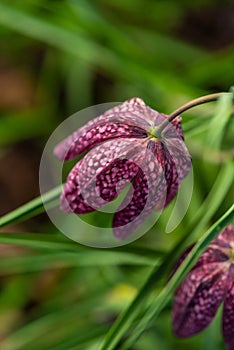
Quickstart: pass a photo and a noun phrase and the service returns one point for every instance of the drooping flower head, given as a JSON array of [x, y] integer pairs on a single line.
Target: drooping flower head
[[209, 283], [124, 146]]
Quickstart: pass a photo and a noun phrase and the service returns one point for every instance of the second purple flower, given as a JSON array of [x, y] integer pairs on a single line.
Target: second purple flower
[[208, 284], [125, 146]]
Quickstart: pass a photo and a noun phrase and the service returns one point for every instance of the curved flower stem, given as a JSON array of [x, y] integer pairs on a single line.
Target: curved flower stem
[[198, 101], [33, 207]]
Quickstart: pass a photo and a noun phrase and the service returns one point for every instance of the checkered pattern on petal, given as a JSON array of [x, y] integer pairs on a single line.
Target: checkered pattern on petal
[[92, 182], [228, 312], [126, 120], [149, 191], [198, 298]]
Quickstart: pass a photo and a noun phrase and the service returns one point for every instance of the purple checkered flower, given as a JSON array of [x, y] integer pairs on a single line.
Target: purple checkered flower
[[209, 283], [124, 147]]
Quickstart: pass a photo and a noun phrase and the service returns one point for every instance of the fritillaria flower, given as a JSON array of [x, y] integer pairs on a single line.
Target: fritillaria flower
[[124, 146], [209, 283]]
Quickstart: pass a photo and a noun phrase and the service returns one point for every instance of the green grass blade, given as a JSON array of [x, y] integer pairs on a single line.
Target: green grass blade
[[35, 331], [124, 322], [219, 121], [161, 300], [71, 253], [40, 241], [40, 262], [32, 208], [214, 199], [77, 341], [52, 34], [92, 52]]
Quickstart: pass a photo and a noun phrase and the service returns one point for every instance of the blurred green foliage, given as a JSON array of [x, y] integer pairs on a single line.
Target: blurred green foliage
[[58, 57]]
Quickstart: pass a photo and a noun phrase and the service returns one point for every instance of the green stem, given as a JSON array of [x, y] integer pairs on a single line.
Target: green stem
[[189, 105], [32, 208], [121, 326]]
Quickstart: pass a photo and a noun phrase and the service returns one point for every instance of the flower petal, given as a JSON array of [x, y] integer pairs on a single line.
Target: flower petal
[[72, 200], [171, 175], [131, 211], [228, 313], [84, 190], [198, 298], [150, 191], [225, 238], [126, 120], [180, 156], [114, 178], [210, 255], [174, 129], [136, 111], [180, 260]]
